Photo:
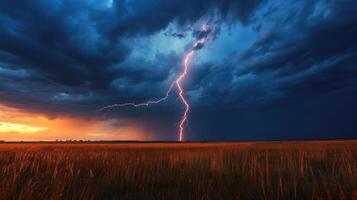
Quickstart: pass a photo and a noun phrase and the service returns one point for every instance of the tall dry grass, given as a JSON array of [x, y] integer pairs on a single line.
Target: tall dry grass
[[276, 170]]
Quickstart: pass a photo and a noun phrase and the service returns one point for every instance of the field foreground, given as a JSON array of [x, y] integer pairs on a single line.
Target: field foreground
[[252, 170]]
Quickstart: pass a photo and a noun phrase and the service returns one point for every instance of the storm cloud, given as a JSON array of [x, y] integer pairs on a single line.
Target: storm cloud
[[70, 58]]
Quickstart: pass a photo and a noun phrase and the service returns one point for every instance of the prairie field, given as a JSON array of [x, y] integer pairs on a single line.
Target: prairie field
[[222, 170]]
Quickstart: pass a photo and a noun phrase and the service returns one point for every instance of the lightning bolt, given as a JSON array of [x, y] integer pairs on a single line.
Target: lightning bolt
[[141, 104], [181, 93]]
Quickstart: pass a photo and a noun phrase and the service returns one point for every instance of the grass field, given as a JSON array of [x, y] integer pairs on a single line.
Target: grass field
[[257, 170]]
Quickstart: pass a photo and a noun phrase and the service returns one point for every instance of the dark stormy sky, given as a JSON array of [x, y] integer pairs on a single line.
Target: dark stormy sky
[[271, 69]]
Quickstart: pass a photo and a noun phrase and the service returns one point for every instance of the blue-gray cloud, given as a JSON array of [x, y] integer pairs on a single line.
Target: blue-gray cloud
[[70, 58]]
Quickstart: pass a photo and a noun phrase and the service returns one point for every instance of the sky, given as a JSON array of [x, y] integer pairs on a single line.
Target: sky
[[268, 70]]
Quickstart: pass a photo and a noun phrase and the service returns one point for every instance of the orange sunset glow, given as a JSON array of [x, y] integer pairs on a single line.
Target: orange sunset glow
[[18, 125]]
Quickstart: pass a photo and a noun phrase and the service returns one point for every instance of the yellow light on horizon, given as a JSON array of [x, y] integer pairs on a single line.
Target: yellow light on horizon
[[19, 125], [7, 127]]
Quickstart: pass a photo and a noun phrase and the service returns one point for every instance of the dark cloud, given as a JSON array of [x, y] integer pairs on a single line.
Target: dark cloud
[[175, 34], [313, 53], [303, 61], [77, 44], [59, 40], [70, 58], [144, 17]]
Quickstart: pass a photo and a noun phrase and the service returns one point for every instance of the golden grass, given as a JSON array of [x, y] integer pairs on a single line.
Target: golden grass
[[257, 170]]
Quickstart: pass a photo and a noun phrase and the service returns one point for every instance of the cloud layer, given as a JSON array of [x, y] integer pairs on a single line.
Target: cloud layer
[[267, 62]]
